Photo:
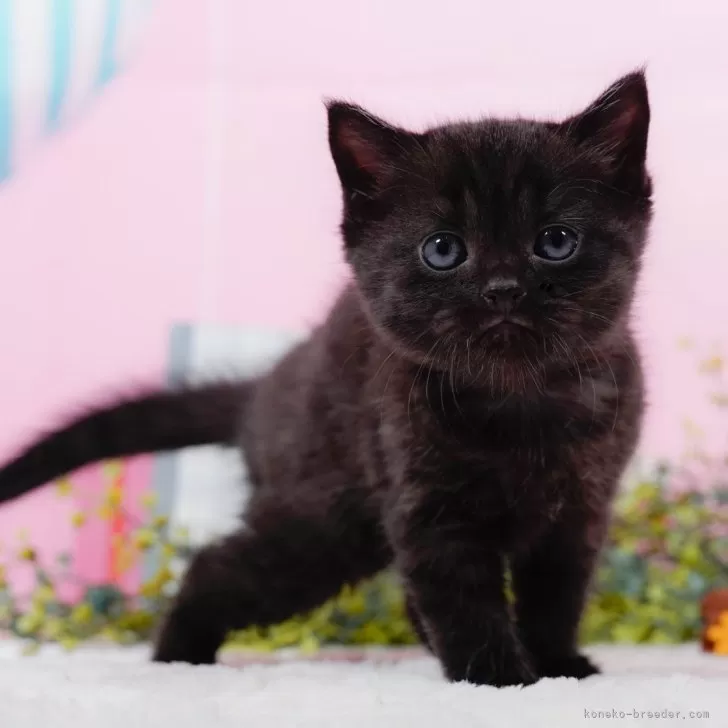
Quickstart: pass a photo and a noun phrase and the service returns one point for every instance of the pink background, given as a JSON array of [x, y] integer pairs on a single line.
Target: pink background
[[199, 186]]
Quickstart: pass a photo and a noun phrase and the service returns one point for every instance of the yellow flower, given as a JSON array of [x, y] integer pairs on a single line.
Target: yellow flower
[[125, 559], [3, 577], [78, 519], [64, 488], [718, 634], [144, 539], [69, 643], [28, 554], [149, 589], [692, 429], [354, 603], [712, 365], [53, 628], [160, 522], [30, 622], [82, 614], [156, 584], [112, 469], [181, 535], [165, 576], [114, 498], [370, 633], [135, 621], [43, 595], [308, 644], [149, 500]]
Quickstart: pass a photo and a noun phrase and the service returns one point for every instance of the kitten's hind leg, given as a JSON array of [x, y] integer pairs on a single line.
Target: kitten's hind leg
[[289, 559]]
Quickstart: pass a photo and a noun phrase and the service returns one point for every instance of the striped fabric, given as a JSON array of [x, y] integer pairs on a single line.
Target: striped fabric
[[54, 56]]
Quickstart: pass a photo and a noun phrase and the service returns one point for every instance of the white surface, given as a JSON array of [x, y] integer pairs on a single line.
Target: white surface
[[210, 482], [117, 688]]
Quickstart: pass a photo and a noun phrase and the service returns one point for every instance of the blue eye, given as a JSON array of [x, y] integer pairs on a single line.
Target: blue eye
[[556, 243], [443, 251]]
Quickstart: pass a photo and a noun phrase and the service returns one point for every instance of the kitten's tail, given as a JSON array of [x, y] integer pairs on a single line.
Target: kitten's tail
[[154, 421]]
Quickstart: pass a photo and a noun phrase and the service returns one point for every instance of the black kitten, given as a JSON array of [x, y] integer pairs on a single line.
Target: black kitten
[[469, 405]]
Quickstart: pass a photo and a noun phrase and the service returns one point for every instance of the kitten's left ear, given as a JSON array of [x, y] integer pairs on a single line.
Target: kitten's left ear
[[617, 126], [365, 148]]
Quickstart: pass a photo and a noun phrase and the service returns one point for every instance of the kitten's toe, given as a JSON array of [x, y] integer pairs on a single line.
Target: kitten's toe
[[523, 676], [577, 666], [182, 643], [516, 672], [182, 651]]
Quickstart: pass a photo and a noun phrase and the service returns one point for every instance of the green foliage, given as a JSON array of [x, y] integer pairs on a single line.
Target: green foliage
[[372, 614], [103, 611], [666, 550]]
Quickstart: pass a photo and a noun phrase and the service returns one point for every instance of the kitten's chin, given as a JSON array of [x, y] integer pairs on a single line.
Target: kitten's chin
[[506, 329], [509, 357], [508, 339]]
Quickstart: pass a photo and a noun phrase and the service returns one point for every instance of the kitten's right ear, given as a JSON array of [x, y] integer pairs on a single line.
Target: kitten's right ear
[[364, 148], [617, 124]]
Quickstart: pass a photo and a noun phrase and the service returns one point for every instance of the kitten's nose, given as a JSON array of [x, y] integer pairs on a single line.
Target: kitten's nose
[[502, 294]]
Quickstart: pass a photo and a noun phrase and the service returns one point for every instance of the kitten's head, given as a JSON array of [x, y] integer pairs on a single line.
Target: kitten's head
[[510, 241]]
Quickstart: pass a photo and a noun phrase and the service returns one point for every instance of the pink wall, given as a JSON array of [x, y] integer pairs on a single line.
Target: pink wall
[[199, 186]]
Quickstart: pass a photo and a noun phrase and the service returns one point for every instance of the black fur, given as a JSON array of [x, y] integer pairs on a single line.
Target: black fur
[[143, 423], [451, 424]]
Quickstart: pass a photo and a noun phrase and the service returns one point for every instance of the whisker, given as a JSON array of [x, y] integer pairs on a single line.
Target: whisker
[[467, 347], [452, 382], [605, 361], [429, 372], [414, 381]]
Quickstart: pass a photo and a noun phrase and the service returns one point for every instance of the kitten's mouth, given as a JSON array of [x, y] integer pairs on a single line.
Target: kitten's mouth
[[507, 324]]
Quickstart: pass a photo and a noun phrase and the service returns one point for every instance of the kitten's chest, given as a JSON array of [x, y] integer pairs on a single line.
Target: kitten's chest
[[523, 433], [504, 474], [526, 479], [507, 500]]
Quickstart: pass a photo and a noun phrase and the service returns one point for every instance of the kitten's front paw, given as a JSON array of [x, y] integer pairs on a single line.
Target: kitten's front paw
[[577, 666], [485, 672], [179, 641], [524, 675]]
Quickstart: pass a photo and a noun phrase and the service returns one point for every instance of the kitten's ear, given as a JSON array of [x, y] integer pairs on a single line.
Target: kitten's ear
[[617, 125], [364, 148]]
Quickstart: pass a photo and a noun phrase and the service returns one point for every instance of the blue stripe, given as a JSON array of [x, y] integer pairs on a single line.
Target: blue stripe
[[107, 66], [61, 40], [6, 114]]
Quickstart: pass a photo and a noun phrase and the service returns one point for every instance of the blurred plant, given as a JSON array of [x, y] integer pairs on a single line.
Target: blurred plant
[[104, 610], [666, 550], [373, 613], [668, 546]]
